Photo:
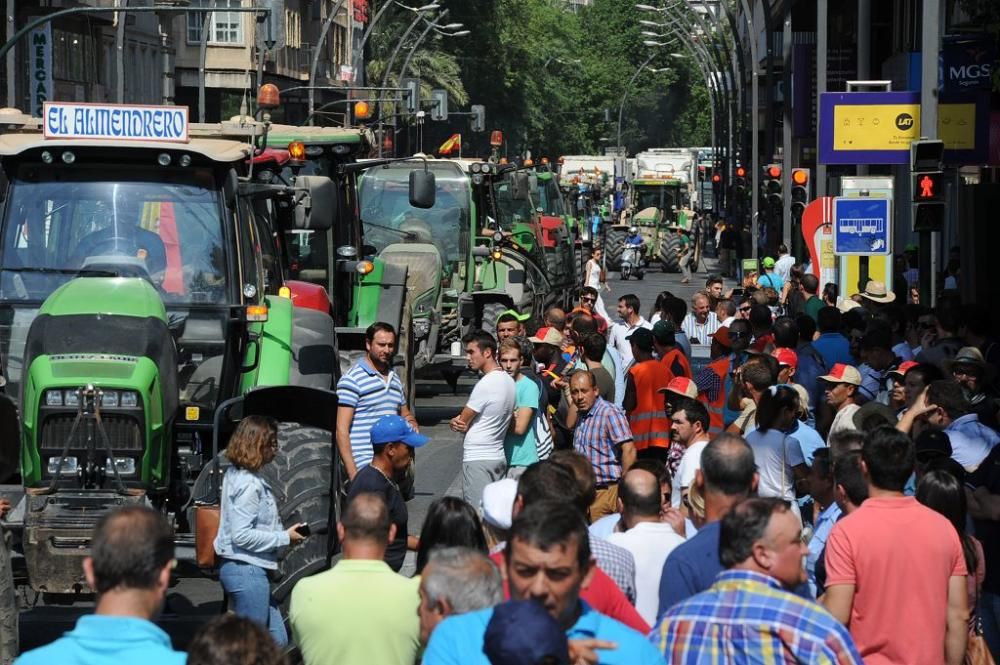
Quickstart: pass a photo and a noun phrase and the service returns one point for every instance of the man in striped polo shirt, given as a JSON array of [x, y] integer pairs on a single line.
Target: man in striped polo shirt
[[369, 390]]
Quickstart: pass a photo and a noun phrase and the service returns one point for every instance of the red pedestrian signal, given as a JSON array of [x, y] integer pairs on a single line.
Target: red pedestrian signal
[[928, 187], [716, 178], [741, 172]]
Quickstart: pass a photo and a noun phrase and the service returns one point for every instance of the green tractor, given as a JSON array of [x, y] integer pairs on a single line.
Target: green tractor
[[653, 208], [143, 284], [531, 247]]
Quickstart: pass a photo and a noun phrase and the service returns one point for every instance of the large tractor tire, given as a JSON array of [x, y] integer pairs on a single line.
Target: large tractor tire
[[8, 605], [491, 311], [300, 477], [669, 245], [614, 244]]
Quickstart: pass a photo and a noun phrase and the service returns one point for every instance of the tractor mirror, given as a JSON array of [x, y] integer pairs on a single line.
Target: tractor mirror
[[520, 186], [422, 189], [315, 202], [230, 188]]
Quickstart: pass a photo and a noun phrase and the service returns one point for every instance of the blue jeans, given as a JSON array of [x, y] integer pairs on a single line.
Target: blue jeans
[[989, 613], [250, 596]]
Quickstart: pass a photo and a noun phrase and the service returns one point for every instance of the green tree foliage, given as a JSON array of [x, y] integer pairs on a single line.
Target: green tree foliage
[[546, 73]]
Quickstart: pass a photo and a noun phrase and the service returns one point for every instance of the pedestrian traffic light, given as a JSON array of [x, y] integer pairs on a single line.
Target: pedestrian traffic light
[[716, 178], [800, 191], [478, 118], [772, 186], [928, 201], [928, 187]]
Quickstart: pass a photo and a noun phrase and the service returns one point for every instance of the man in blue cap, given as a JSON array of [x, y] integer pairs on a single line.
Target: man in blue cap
[[393, 441]]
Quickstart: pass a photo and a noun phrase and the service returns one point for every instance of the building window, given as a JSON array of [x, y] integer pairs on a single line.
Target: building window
[[293, 29], [225, 27], [74, 57]]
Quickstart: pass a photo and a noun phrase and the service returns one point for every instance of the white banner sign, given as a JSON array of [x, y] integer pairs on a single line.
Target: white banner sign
[[40, 67], [65, 120]]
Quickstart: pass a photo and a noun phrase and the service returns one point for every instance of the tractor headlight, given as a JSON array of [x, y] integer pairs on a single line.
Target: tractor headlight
[[53, 398], [71, 398], [125, 466], [109, 399], [421, 327], [69, 465], [130, 400]]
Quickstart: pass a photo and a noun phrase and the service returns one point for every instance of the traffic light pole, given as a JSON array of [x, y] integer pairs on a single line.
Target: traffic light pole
[[930, 41]]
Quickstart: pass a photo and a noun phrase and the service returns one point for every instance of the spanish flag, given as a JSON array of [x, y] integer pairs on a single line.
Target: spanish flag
[[455, 141]]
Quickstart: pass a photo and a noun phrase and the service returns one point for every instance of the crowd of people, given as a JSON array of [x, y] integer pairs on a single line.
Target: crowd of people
[[825, 489]]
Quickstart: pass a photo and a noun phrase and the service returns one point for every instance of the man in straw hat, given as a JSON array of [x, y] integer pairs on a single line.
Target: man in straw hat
[[875, 295]]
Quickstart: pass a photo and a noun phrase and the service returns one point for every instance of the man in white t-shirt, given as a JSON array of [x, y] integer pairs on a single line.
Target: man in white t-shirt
[[688, 427], [648, 539], [485, 418], [628, 310], [842, 385]]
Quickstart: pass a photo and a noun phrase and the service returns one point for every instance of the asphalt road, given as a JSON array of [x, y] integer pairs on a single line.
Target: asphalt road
[[191, 601]]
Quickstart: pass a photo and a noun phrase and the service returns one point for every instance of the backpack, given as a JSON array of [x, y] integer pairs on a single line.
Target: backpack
[[541, 427]]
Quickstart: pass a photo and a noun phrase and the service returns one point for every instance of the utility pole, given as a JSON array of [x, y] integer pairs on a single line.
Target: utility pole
[[930, 46], [11, 74], [822, 15], [786, 128], [754, 125]]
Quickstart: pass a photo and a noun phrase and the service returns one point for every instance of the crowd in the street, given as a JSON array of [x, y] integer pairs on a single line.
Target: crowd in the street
[[825, 489]]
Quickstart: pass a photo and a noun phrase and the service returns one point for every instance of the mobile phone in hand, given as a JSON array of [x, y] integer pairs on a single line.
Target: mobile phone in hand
[[304, 530]]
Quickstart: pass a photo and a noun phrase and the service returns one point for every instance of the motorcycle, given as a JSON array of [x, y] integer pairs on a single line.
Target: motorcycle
[[632, 261]]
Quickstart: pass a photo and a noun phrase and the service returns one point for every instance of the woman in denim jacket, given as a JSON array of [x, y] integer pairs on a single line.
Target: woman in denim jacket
[[250, 530]]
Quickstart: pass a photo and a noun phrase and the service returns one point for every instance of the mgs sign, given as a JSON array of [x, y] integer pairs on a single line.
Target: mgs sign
[[40, 67], [967, 65]]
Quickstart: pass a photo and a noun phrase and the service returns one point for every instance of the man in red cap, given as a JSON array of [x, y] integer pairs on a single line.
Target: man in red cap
[[788, 361], [675, 395], [842, 385]]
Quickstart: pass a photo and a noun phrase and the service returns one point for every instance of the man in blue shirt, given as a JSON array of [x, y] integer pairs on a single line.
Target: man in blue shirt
[[548, 561], [832, 346], [131, 556], [826, 511], [728, 474]]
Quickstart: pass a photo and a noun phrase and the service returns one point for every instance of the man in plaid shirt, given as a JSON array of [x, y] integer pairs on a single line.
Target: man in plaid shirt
[[748, 615], [602, 435]]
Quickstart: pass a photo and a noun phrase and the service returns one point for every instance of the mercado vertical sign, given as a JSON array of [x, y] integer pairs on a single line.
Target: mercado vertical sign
[[40, 67]]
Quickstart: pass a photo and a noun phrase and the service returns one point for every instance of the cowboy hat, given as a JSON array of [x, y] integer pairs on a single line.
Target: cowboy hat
[[970, 355], [876, 292]]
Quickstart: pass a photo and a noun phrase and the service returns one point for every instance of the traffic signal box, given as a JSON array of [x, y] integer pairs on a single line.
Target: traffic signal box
[[772, 186], [927, 182], [801, 196]]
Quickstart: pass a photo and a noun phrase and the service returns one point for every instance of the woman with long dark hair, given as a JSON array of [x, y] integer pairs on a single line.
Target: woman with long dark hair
[[943, 493], [450, 522], [778, 455]]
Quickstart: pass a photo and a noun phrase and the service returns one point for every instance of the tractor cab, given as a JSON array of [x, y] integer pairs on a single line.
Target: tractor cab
[[141, 284]]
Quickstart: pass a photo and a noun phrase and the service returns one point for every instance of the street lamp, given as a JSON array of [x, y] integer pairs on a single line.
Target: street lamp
[[430, 26], [392, 59], [628, 86]]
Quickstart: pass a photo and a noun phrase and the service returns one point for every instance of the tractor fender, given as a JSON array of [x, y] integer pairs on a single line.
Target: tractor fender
[[274, 345], [309, 296]]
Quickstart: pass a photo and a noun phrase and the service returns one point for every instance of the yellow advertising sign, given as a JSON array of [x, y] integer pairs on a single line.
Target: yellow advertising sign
[[957, 126], [875, 126]]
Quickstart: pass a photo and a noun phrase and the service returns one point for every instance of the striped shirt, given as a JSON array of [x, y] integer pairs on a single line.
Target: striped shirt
[[746, 617], [372, 396], [599, 435], [700, 331]]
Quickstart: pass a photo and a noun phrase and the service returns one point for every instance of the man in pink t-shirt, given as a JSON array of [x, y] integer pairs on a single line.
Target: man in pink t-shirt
[[895, 569]]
